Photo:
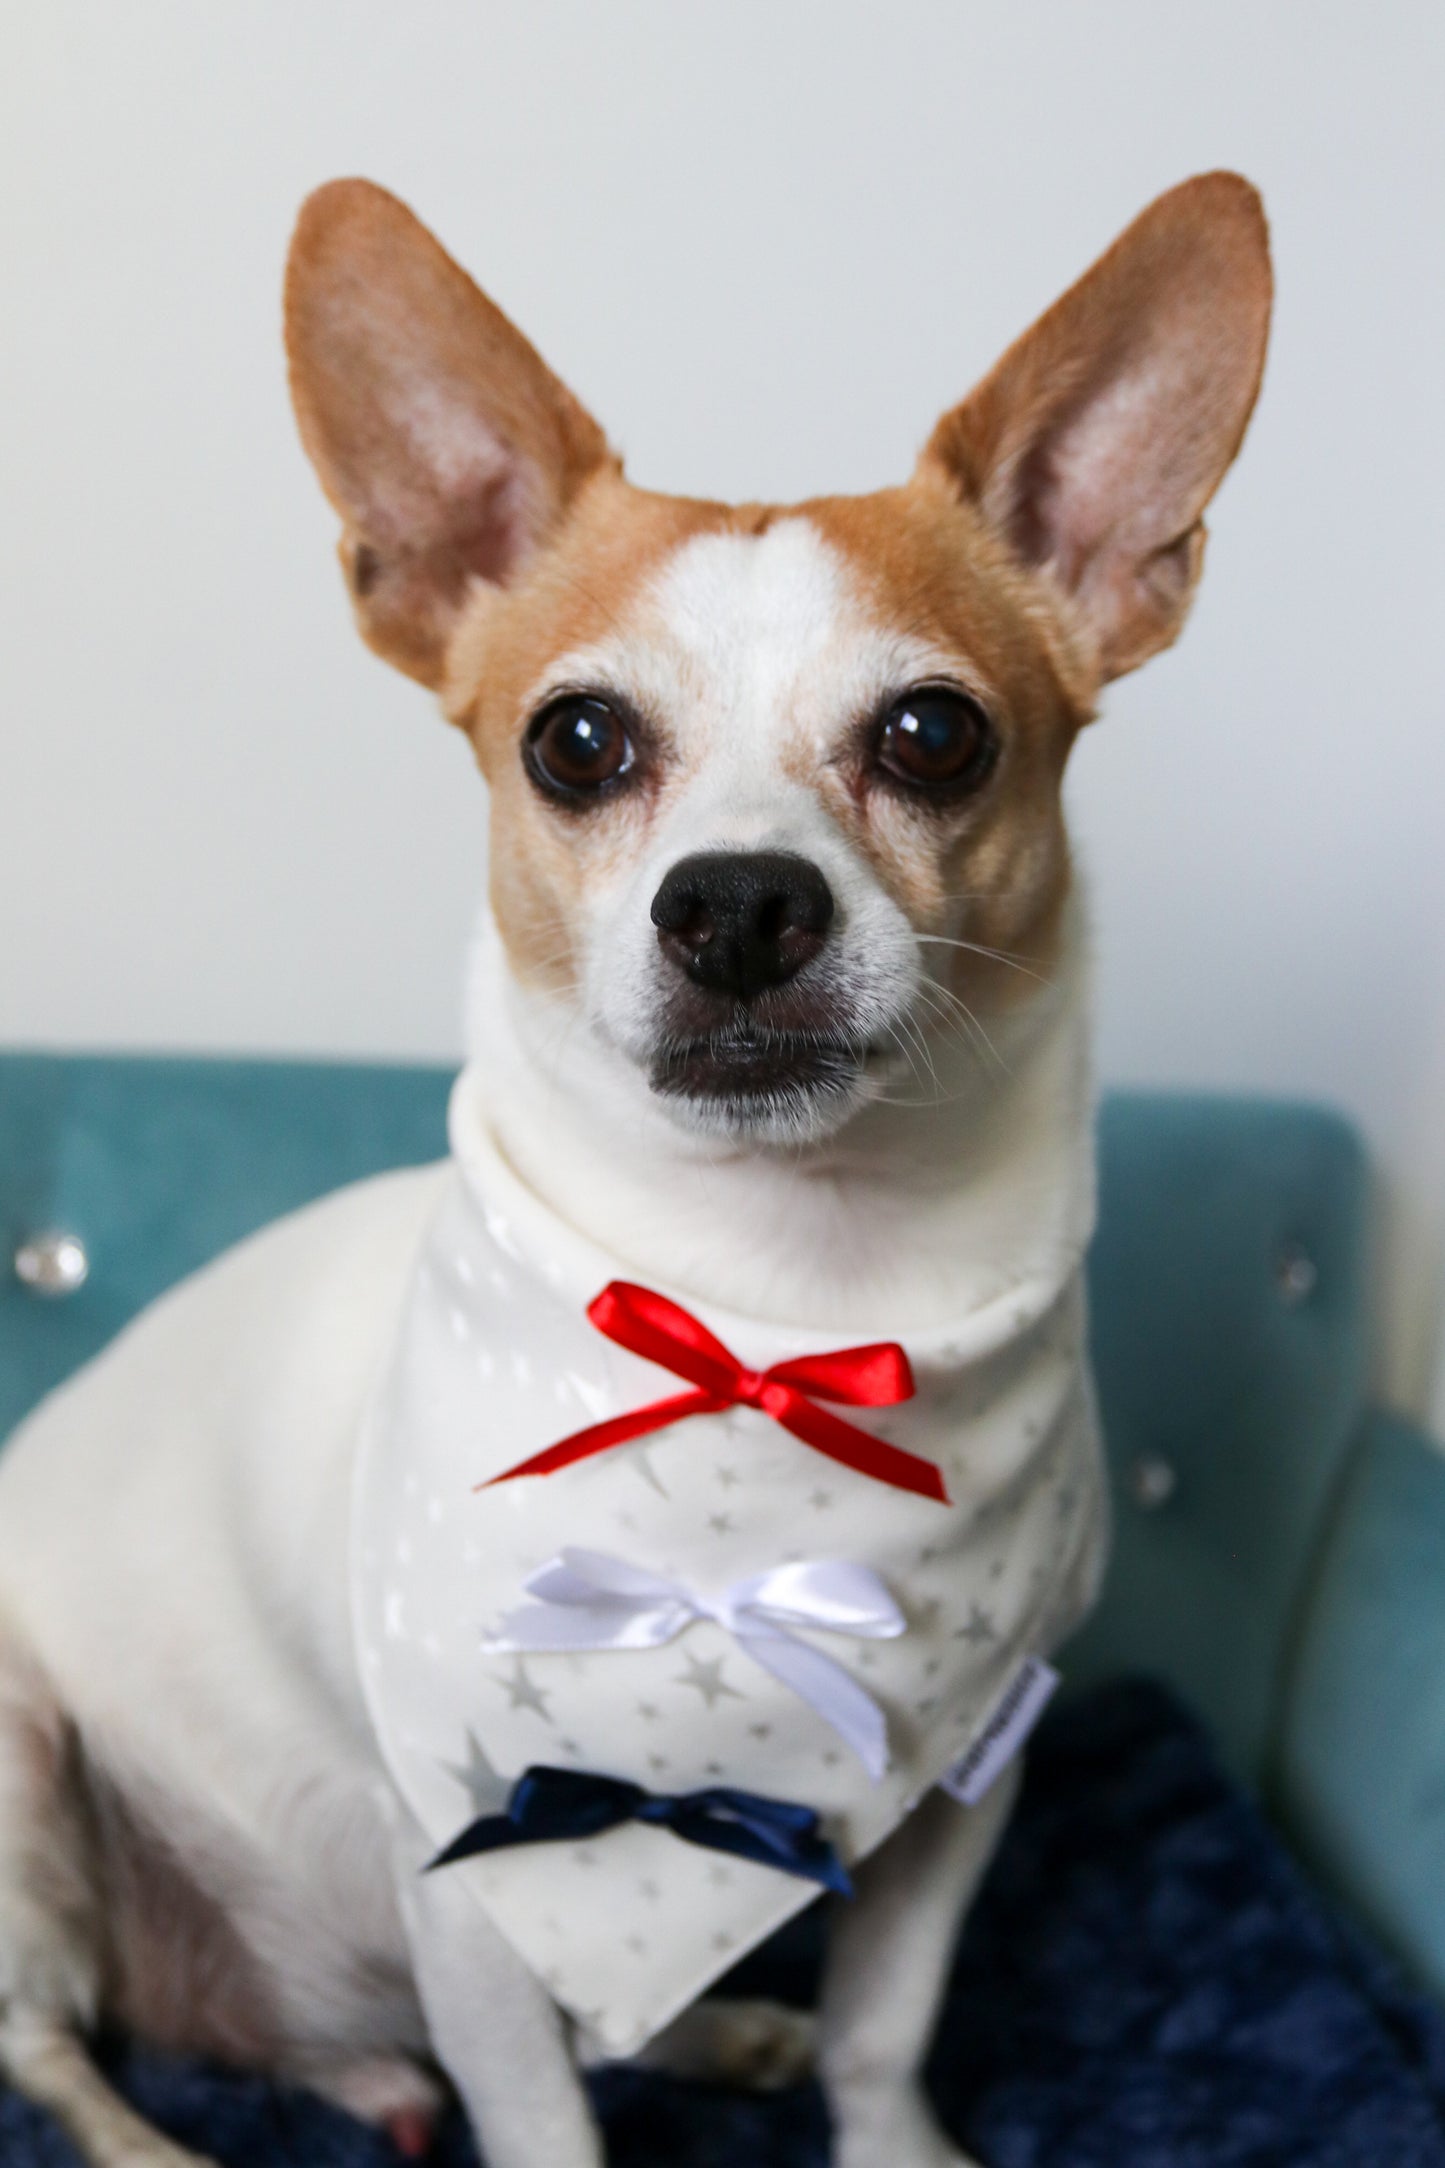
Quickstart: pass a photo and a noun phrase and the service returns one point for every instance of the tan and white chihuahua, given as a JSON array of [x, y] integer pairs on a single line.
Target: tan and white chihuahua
[[778, 1002]]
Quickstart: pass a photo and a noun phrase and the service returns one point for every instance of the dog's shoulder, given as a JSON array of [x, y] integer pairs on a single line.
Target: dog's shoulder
[[266, 1353]]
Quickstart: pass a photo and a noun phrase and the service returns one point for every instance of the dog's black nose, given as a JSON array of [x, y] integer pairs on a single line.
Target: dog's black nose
[[739, 922]]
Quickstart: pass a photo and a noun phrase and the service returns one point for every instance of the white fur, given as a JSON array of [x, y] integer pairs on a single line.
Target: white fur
[[172, 1521]]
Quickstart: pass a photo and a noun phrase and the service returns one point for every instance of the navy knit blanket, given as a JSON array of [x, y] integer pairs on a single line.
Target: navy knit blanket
[[1147, 1982]]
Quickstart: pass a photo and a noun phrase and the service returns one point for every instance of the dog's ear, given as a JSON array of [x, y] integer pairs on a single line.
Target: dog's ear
[[443, 440], [1097, 441]]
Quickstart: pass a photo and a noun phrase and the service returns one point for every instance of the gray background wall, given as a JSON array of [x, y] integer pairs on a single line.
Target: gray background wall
[[767, 241]]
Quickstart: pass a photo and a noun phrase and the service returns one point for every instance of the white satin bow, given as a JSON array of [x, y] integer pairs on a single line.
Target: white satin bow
[[590, 1600]]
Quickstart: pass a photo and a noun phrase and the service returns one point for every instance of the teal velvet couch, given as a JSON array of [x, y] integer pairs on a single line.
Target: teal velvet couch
[[1280, 1544]]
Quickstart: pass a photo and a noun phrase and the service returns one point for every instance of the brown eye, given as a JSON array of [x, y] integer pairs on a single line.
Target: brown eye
[[577, 747], [938, 740]]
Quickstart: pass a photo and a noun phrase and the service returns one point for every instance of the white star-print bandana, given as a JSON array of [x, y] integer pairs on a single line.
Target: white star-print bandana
[[495, 1361]]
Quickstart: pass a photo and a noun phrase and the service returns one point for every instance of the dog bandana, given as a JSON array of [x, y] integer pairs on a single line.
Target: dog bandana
[[699, 1606]]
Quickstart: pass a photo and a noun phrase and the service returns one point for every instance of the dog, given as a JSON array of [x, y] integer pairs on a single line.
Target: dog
[[778, 1083]]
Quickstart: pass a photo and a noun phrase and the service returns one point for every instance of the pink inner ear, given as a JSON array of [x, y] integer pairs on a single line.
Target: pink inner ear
[[437, 484], [494, 530], [490, 535], [481, 517], [439, 434], [1099, 438], [1119, 474]]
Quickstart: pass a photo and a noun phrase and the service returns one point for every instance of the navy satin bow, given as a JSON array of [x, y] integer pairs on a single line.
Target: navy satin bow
[[549, 1804]]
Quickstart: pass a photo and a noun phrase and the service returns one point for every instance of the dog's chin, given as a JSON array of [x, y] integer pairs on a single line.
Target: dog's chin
[[762, 1087]]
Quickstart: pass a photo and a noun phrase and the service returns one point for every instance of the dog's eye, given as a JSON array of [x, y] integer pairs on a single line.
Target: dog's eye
[[937, 739], [576, 746]]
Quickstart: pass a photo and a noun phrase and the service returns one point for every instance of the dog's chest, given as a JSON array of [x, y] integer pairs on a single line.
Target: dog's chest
[[497, 1361]]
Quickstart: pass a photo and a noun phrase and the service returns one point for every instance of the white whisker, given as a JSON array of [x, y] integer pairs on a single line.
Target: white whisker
[[976, 948]]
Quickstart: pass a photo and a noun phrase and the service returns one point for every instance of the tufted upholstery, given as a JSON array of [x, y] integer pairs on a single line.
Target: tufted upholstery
[[1291, 1584], [1229, 1323]]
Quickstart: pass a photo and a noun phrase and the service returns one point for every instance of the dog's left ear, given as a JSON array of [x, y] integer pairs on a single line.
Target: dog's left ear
[[441, 437], [1096, 443]]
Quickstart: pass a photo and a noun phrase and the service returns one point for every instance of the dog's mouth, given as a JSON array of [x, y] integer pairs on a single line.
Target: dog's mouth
[[755, 1079]]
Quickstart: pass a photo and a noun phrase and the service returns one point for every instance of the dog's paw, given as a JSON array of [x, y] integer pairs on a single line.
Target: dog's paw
[[764, 2046], [389, 2091], [891, 2127], [759, 2046]]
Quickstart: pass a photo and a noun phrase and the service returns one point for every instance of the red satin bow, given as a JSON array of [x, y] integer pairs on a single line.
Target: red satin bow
[[861, 1377]]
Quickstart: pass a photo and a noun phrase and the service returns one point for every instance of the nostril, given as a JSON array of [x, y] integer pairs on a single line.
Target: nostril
[[739, 922], [677, 902], [807, 902], [773, 917], [693, 924]]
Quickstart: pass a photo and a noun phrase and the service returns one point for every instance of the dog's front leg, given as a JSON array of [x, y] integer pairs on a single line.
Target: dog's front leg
[[887, 1967], [494, 2029]]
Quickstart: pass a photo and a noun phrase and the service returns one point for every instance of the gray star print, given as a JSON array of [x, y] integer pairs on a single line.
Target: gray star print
[[978, 1628], [487, 1791], [642, 1463], [524, 1694], [708, 1680]]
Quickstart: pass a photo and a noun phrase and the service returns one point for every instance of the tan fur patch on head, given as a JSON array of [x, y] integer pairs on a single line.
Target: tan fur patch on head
[[928, 566], [576, 596]]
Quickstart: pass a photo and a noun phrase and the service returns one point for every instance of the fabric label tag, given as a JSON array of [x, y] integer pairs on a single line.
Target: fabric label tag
[[1019, 1709]]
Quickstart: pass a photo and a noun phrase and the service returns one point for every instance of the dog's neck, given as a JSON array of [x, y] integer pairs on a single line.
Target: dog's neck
[[969, 1180]]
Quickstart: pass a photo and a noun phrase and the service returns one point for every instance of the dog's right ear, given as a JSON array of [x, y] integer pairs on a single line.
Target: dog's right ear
[[1095, 444], [443, 440]]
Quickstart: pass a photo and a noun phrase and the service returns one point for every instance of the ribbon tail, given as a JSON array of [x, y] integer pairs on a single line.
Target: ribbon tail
[[799, 1851], [859, 1449], [489, 1833], [618, 1430], [829, 1690]]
